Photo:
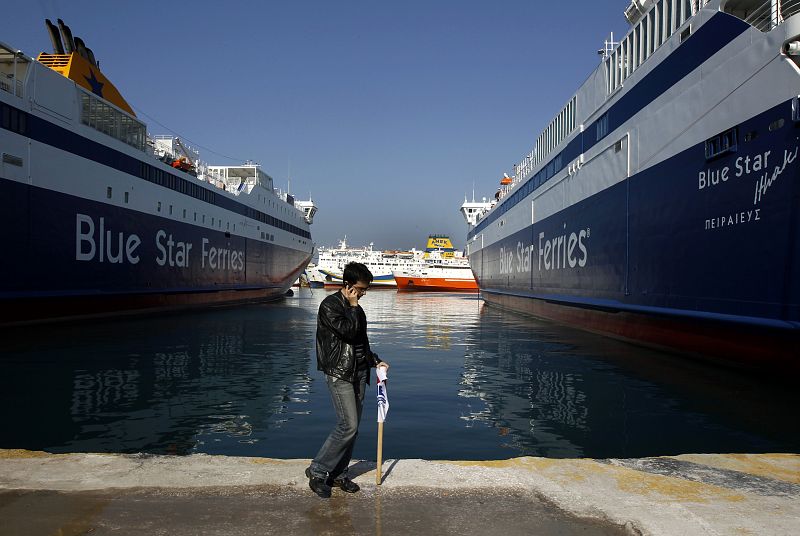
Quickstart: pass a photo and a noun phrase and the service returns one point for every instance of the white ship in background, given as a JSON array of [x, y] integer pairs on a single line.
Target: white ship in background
[[381, 263]]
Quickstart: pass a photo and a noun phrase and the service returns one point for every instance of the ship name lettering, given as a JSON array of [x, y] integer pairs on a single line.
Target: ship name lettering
[[89, 247], [736, 218], [765, 181], [559, 252], [181, 258], [745, 165], [758, 163], [524, 254], [506, 261], [221, 258]]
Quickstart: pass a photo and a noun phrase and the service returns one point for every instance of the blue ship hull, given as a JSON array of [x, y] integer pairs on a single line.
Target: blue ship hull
[[696, 255], [69, 257]]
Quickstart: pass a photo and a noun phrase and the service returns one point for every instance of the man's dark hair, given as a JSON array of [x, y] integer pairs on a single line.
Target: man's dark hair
[[355, 272]]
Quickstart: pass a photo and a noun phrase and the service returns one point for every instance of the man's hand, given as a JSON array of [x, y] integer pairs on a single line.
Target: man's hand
[[351, 295]]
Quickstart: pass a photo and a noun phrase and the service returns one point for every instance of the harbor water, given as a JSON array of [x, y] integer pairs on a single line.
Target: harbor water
[[467, 381]]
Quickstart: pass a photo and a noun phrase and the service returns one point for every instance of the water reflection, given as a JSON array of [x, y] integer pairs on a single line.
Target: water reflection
[[168, 385], [562, 393], [467, 382]]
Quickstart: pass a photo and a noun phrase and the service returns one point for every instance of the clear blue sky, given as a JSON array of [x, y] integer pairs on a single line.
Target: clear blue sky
[[386, 112]]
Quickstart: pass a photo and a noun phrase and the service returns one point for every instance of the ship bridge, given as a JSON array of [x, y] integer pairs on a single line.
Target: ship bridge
[[13, 69], [241, 178], [474, 210]]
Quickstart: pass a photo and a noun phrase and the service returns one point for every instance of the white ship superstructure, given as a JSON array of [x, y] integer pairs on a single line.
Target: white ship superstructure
[[438, 273], [381, 263]]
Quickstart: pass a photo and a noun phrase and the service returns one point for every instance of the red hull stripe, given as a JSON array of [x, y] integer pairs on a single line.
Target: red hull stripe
[[766, 348]]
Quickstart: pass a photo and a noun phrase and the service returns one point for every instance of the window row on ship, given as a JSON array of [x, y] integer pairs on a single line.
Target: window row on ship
[[655, 27], [660, 22], [119, 125], [18, 121], [194, 189], [213, 222]]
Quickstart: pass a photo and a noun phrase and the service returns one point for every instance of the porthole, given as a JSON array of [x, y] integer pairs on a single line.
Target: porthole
[[775, 125]]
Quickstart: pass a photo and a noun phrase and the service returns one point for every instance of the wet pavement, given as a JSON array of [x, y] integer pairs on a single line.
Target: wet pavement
[[271, 510], [701, 494]]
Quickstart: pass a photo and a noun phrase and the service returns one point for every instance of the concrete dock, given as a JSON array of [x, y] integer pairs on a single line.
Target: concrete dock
[[98, 494]]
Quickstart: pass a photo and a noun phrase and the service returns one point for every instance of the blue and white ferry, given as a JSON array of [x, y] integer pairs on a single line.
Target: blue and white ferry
[[662, 202], [98, 217]]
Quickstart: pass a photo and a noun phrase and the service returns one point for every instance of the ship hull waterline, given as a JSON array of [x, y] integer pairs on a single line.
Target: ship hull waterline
[[765, 348], [433, 284]]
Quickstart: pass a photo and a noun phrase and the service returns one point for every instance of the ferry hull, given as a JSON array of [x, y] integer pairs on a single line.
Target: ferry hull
[[435, 284], [76, 258], [98, 218], [669, 258]]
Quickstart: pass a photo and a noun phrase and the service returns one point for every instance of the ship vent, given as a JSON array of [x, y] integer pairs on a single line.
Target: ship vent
[[11, 159]]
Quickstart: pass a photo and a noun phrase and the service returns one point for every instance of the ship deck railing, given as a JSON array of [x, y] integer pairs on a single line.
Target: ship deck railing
[[11, 85], [13, 69], [764, 16]]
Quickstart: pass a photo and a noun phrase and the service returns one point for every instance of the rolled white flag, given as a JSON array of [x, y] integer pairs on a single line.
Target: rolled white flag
[[383, 397]]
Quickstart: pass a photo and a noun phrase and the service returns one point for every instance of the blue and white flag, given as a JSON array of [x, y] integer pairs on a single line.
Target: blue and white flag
[[383, 397]]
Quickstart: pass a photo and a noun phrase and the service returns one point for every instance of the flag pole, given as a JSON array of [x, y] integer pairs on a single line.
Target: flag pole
[[383, 408], [380, 454]]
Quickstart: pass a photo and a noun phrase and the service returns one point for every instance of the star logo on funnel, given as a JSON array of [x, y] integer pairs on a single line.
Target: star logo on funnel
[[97, 85]]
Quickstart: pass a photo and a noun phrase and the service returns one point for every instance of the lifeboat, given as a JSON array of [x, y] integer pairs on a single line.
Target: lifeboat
[[183, 164]]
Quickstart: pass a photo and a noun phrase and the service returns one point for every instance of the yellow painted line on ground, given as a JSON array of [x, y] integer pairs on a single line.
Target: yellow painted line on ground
[[272, 461], [10, 454], [785, 467], [527, 462], [569, 472], [672, 488]]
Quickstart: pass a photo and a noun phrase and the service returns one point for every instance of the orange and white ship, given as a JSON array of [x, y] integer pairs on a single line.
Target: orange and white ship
[[441, 269], [438, 278]]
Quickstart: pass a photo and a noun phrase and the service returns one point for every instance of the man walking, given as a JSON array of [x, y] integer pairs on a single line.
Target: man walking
[[343, 354]]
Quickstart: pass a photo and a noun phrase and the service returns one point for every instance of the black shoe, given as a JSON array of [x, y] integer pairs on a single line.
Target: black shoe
[[318, 485], [345, 484]]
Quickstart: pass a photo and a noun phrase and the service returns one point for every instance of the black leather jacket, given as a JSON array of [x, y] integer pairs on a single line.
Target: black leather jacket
[[339, 327]]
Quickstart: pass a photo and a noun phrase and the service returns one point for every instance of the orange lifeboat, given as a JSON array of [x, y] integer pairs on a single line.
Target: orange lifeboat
[[505, 181], [182, 163]]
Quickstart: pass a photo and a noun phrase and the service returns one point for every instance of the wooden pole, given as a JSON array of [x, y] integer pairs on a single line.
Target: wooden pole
[[380, 455]]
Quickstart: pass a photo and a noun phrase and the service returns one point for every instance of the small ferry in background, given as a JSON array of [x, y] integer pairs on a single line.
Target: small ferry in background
[[661, 203], [99, 218], [383, 264], [438, 277], [441, 269], [332, 261]]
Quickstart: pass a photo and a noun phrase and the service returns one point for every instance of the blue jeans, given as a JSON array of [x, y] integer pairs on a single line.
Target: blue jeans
[[348, 400]]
